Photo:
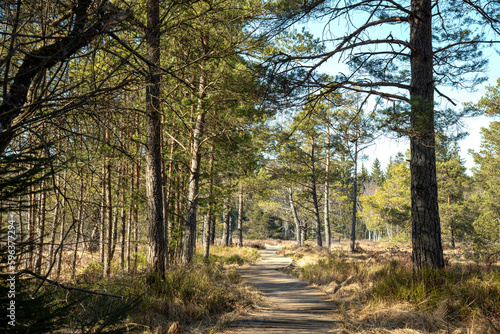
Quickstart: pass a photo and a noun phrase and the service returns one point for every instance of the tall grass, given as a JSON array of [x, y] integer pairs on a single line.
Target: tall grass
[[460, 296], [198, 294]]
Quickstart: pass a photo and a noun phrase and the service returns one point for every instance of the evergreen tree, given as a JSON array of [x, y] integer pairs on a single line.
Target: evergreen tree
[[487, 161], [364, 175], [441, 46], [377, 175], [391, 204]]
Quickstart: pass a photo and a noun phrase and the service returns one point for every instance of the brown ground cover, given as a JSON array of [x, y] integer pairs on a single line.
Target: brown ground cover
[[376, 292]]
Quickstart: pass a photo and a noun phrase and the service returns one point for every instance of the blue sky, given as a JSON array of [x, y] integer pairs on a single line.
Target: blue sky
[[386, 147]]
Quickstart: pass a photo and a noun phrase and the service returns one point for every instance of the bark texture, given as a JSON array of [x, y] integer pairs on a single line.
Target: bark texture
[[157, 244], [194, 172], [296, 221], [354, 197], [207, 227], [240, 217], [426, 229], [326, 208], [314, 192]]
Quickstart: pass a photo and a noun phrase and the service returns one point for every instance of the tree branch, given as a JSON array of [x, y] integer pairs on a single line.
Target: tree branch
[[71, 288], [45, 57]]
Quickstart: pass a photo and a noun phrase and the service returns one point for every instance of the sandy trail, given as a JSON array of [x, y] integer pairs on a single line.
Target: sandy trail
[[292, 306]]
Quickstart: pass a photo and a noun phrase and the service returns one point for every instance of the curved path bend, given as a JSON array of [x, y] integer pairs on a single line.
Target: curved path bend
[[292, 305]]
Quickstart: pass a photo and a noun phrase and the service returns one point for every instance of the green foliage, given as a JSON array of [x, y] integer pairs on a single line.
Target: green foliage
[[391, 202], [491, 102], [487, 225], [377, 174], [53, 309], [262, 225]]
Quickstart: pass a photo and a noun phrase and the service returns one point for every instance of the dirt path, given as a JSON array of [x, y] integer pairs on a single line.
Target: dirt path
[[292, 306]]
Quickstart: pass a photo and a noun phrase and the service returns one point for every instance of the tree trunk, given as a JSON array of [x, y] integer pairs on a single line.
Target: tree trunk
[[108, 218], [212, 230], [41, 228], [79, 225], [102, 225], [84, 30], [168, 194], [157, 245], [426, 229], [326, 212], [354, 197], [31, 228], [226, 220], [230, 227], [240, 217], [128, 246], [55, 220], [123, 217], [314, 191], [207, 233], [134, 223], [194, 175], [61, 232], [296, 221]]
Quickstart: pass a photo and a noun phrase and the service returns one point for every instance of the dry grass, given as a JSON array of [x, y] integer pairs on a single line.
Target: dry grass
[[197, 299], [376, 293]]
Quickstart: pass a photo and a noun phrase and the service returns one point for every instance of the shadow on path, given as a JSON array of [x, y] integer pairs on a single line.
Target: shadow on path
[[293, 306]]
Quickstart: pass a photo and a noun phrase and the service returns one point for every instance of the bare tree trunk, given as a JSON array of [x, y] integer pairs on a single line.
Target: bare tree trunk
[[225, 225], [79, 224], [31, 227], [128, 246], [230, 227], [194, 173], [426, 228], [22, 235], [102, 225], [41, 228], [157, 244], [303, 233], [298, 227], [212, 230], [314, 192], [240, 217], [179, 222], [55, 220], [354, 197], [168, 190], [114, 240], [326, 209], [207, 229], [123, 218], [136, 172], [61, 232], [108, 215]]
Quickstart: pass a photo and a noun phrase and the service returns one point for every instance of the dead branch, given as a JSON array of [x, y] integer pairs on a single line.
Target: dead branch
[[70, 288]]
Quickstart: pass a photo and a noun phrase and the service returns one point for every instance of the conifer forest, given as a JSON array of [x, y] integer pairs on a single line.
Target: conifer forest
[[151, 150]]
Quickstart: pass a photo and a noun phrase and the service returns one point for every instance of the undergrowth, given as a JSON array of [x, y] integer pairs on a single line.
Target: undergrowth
[[380, 291], [194, 296]]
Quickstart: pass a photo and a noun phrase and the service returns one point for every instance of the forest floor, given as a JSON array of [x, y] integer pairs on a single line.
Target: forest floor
[[290, 305]]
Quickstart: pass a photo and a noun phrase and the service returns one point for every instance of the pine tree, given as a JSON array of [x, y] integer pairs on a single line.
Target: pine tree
[[377, 174], [440, 46]]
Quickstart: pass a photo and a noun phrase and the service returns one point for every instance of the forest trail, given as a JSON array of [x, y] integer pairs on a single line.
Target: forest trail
[[292, 305]]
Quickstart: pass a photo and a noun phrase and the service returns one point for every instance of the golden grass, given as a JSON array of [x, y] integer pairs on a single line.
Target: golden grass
[[197, 298], [376, 293]]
